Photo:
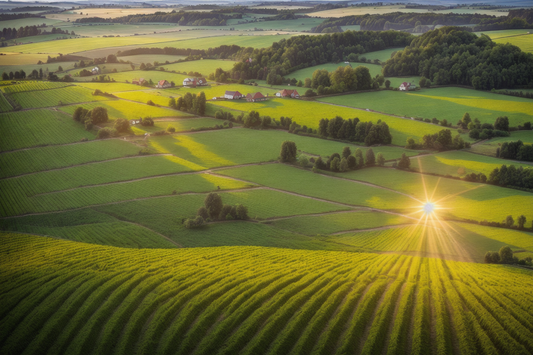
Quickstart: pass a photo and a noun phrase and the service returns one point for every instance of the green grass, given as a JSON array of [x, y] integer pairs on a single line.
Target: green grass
[[308, 72], [5, 106], [110, 87], [219, 90], [88, 296], [514, 238], [55, 157], [258, 40], [452, 103], [157, 96], [205, 67], [524, 42], [88, 226], [129, 110], [181, 125], [48, 98], [38, 128], [296, 25], [338, 222], [503, 33], [224, 147], [291, 179], [459, 163], [17, 203], [31, 86], [151, 58], [383, 55], [489, 147], [309, 113], [459, 199]]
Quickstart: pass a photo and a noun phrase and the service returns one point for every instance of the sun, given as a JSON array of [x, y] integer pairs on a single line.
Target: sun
[[429, 208]]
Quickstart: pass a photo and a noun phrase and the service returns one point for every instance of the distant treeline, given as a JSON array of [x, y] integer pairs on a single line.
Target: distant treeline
[[402, 21], [300, 52], [450, 55], [34, 8], [355, 130], [5, 17], [221, 52], [516, 151], [182, 18], [510, 176]]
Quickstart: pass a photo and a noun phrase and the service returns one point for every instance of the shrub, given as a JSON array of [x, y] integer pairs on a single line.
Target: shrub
[[105, 133], [171, 129], [122, 125]]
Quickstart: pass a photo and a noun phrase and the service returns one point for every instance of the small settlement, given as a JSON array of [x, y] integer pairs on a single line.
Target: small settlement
[[405, 86], [194, 82], [288, 93]]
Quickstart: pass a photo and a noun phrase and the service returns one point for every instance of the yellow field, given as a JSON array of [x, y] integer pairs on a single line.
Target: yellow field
[[105, 13], [157, 96], [21, 59]]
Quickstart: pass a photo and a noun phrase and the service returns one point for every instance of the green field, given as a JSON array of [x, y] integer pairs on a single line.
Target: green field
[[38, 128], [31, 86], [308, 72], [489, 147], [309, 113], [458, 163], [382, 55], [524, 42], [150, 58], [458, 199], [5, 106], [180, 125], [204, 67], [453, 101], [186, 297], [61, 156], [55, 97]]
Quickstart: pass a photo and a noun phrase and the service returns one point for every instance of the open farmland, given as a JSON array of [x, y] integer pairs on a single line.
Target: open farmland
[[309, 114], [195, 232], [454, 102], [38, 128], [302, 309], [523, 41]]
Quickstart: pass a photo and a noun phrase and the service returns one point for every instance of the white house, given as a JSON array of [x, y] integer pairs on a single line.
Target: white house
[[232, 95], [189, 82], [407, 86]]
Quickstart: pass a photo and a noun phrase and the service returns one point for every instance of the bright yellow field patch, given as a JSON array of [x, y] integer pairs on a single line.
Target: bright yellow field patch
[[518, 239], [488, 104], [161, 149], [156, 96], [525, 42], [201, 151], [22, 59]]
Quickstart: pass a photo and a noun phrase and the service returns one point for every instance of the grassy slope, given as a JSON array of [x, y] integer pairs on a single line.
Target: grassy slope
[[204, 67], [489, 147]]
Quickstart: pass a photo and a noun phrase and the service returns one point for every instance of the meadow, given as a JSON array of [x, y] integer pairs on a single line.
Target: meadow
[[489, 147], [524, 42], [5, 106], [308, 72], [454, 103], [38, 128], [275, 300], [55, 97], [309, 113], [204, 67], [459, 163]]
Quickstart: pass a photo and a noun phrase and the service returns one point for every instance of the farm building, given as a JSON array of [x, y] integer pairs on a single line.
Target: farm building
[[255, 97], [163, 84], [232, 95], [407, 86], [201, 81], [189, 82], [95, 71], [288, 93], [138, 81]]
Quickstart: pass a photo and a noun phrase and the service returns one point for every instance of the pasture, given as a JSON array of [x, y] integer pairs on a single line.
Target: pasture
[[204, 67], [55, 97], [309, 113], [179, 124], [382, 55], [454, 102], [489, 147], [459, 163], [186, 297], [308, 72], [151, 58], [38, 128]]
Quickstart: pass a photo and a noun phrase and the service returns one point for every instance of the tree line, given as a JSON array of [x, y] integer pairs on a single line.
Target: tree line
[[355, 130], [441, 141], [299, 52], [195, 104], [515, 151], [450, 55], [182, 18], [510, 176], [220, 52], [89, 118], [347, 161]]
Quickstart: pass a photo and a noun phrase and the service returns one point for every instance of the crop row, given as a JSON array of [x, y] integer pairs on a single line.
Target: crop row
[[109, 300], [60, 156], [55, 97], [5, 106], [32, 86], [38, 128]]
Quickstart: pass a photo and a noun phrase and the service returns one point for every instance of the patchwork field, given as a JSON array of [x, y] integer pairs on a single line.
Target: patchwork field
[[309, 113], [308, 72], [55, 97], [204, 67], [489, 147]]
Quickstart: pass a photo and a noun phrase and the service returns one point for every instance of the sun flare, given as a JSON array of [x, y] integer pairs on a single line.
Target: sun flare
[[429, 208]]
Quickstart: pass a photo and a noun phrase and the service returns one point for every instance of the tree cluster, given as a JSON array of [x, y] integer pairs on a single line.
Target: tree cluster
[[220, 52], [5, 17], [300, 52], [195, 104], [347, 161], [515, 151], [450, 55], [355, 130], [215, 210], [342, 79], [510, 176], [182, 18], [21, 74], [440, 141], [288, 152], [90, 117], [505, 256]]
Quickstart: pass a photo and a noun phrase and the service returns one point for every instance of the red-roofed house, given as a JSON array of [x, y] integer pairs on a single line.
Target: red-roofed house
[[189, 82], [138, 81], [405, 86], [163, 84], [232, 95], [255, 97], [201, 81], [288, 93]]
